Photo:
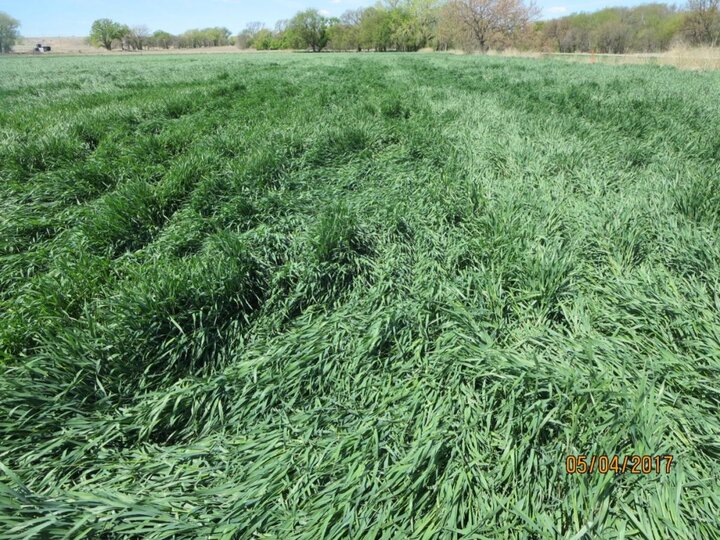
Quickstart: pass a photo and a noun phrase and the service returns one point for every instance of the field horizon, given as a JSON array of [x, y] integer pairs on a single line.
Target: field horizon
[[357, 296], [680, 56]]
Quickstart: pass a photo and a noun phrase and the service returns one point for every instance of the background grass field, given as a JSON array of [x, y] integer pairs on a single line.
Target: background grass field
[[381, 296]]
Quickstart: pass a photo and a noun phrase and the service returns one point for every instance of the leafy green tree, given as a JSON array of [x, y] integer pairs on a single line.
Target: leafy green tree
[[376, 29], [8, 32], [162, 39], [402, 25], [125, 37], [206, 37], [609, 31], [347, 31], [190, 39], [310, 29], [104, 31], [653, 27], [645, 28], [402, 29], [217, 36], [426, 14], [263, 40], [339, 36]]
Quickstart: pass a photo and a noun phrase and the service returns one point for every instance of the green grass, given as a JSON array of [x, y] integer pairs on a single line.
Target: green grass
[[367, 296]]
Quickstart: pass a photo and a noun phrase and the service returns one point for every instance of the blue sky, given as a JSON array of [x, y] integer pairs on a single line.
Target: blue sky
[[73, 17]]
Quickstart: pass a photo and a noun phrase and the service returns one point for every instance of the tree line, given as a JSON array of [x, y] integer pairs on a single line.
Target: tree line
[[399, 25], [645, 28], [411, 25], [109, 34]]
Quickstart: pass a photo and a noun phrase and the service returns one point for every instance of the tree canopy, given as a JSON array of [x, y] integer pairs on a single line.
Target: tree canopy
[[395, 25], [8, 32], [310, 29], [645, 28], [410, 25], [702, 26], [104, 31]]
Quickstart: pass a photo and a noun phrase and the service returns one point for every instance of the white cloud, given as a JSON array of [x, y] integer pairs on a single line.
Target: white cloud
[[335, 1], [324, 12]]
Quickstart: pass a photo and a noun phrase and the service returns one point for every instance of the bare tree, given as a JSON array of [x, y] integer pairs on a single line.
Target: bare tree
[[555, 31], [254, 27], [702, 26], [491, 21], [245, 39], [351, 20], [138, 37], [282, 26]]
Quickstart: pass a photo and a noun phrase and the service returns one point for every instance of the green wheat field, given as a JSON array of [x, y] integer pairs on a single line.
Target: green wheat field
[[357, 296]]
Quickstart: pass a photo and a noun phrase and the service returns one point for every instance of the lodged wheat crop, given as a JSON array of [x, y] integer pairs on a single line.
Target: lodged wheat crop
[[345, 296]]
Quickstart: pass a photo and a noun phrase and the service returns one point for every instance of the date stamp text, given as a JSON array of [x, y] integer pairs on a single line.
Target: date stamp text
[[602, 464]]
